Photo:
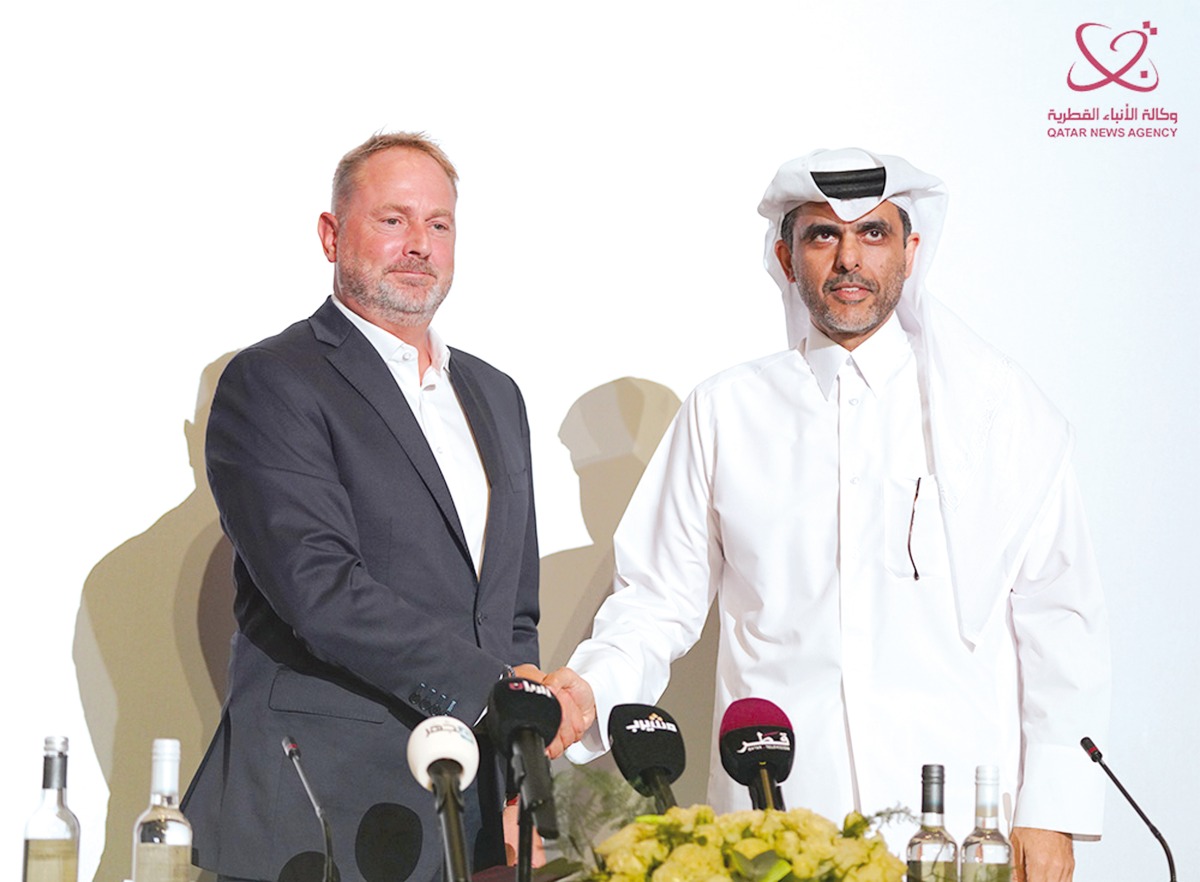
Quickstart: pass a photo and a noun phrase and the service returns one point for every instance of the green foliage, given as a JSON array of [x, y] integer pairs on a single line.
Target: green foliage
[[592, 804]]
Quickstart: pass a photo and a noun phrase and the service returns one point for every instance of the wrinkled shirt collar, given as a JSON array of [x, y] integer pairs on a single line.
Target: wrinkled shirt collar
[[392, 348]]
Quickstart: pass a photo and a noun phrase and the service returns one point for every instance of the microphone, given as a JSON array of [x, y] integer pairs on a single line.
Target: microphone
[[443, 757], [292, 751], [521, 717], [648, 749], [756, 749], [1094, 752]]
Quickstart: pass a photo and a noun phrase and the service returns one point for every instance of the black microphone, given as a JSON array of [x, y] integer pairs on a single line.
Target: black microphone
[[292, 750], [443, 757], [1094, 752], [648, 749], [756, 749], [521, 717]]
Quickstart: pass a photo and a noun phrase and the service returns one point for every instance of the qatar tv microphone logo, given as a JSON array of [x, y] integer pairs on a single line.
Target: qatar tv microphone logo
[[1119, 60]]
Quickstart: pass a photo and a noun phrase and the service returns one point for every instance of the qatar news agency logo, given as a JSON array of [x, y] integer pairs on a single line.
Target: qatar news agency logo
[[1118, 63]]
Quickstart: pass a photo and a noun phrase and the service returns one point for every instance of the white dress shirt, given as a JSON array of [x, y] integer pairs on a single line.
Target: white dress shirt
[[440, 415], [786, 489]]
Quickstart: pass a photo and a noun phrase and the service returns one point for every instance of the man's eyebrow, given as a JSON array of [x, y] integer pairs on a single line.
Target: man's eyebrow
[[872, 225], [820, 229], [409, 211]]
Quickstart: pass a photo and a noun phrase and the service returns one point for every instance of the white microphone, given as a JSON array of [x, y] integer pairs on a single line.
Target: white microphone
[[443, 757]]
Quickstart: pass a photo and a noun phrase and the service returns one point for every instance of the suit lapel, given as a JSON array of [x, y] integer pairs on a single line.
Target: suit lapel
[[355, 359], [483, 427]]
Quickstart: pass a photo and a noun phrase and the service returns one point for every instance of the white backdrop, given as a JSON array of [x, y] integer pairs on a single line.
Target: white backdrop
[[164, 167]]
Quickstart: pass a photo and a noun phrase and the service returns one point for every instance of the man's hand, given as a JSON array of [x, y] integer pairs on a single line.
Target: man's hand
[[1042, 855], [570, 689], [529, 672], [578, 704], [512, 834]]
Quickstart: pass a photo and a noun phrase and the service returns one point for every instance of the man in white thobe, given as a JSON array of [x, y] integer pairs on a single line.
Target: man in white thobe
[[887, 517]]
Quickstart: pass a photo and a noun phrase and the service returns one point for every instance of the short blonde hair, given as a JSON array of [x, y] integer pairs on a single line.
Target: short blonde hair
[[343, 177]]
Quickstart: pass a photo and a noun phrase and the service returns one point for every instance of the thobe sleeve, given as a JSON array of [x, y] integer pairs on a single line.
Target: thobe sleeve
[[667, 556], [1061, 631]]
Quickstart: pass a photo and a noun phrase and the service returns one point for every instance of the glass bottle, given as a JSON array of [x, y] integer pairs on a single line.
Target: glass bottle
[[52, 832], [162, 837], [986, 854], [932, 852]]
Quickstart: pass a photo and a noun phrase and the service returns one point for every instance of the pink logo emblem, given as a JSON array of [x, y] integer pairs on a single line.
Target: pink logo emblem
[[1125, 52]]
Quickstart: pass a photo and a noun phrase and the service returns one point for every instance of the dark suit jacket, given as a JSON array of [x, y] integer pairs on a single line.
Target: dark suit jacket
[[359, 611]]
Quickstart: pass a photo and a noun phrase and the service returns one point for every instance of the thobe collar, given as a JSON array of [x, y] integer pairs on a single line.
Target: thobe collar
[[878, 358]]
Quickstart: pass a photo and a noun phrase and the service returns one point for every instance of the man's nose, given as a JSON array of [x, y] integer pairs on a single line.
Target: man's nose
[[418, 241], [849, 257]]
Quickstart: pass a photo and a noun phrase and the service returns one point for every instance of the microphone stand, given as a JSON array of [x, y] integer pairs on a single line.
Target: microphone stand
[[524, 843], [764, 792], [450, 810], [1094, 752], [292, 750], [663, 797]]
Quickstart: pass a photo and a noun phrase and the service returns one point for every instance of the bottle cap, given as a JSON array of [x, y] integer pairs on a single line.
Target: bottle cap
[[987, 774], [933, 778], [166, 749], [164, 767], [56, 744]]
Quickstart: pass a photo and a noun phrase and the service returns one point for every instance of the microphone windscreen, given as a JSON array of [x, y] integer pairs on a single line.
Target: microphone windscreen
[[518, 704], [756, 733], [442, 738], [389, 843], [645, 737]]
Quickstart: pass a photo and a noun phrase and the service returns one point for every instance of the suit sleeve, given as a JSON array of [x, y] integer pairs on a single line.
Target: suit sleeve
[[277, 481], [1061, 629], [527, 611]]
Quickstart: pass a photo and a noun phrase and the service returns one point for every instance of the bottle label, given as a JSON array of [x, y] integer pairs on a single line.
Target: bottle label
[[156, 862], [986, 873], [932, 871], [51, 860]]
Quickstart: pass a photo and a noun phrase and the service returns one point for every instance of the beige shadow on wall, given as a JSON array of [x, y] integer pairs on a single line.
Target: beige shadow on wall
[[152, 644], [611, 432]]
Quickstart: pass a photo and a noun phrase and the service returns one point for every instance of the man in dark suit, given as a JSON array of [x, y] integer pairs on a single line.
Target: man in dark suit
[[376, 488]]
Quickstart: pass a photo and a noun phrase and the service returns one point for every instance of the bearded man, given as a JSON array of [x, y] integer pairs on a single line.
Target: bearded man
[[376, 487], [887, 518]]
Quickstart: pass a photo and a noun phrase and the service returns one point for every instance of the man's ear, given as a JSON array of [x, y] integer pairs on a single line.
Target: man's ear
[[327, 229], [784, 255], [910, 252]]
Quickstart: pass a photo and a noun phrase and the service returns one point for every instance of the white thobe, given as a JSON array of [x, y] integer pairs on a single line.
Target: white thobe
[[785, 489]]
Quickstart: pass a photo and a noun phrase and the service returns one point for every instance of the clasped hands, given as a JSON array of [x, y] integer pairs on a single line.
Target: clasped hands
[[574, 697]]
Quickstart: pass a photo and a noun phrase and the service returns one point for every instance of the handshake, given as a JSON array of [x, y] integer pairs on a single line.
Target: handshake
[[574, 697]]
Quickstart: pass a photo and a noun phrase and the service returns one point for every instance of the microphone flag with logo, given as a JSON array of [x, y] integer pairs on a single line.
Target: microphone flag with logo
[[521, 717], [756, 749], [648, 749]]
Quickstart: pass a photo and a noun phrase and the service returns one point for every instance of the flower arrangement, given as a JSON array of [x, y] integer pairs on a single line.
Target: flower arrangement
[[697, 845]]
